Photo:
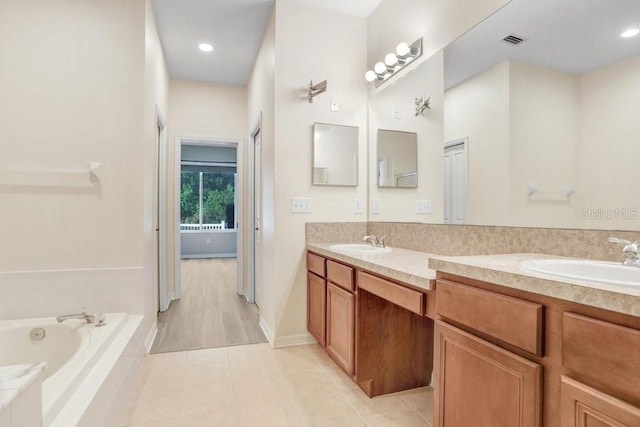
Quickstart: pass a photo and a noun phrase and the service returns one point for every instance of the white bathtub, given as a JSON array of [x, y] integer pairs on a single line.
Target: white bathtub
[[73, 350]]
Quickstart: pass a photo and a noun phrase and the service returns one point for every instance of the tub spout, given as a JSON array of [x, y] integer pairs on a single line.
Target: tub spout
[[89, 318]]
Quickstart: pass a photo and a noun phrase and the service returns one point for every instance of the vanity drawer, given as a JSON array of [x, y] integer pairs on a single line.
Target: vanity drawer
[[316, 264], [601, 351], [512, 320], [340, 275], [392, 292]]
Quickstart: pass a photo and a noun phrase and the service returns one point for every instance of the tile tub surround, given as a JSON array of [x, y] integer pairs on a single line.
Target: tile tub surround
[[505, 270], [331, 232], [403, 265], [475, 240]]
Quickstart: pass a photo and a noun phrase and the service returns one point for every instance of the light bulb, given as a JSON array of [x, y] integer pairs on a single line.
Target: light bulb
[[403, 49], [379, 68], [205, 47], [370, 76], [630, 33], [391, 59]]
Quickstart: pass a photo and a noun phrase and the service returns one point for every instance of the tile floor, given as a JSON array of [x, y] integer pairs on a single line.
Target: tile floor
[[254, 385]]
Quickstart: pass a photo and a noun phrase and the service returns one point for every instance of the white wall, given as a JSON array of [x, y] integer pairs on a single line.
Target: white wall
[[479, 110], [399, 204], [609, 149], [72, 91], [331, 47], [199, 109]]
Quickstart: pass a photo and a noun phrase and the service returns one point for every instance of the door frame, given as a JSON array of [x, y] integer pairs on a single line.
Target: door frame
[[250, 294], [164, 298], [464, 142], [239, 190]]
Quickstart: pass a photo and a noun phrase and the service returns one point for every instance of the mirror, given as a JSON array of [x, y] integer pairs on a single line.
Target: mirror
[[546, 118], [397, 159], [335, 155]]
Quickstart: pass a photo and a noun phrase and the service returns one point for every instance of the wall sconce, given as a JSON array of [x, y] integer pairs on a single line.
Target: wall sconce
[[421, 105], [394, 62], [315, 90]]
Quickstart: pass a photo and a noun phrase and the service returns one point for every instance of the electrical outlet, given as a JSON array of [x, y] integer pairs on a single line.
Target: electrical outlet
[[357, 206], [375, 206], [423, 206]]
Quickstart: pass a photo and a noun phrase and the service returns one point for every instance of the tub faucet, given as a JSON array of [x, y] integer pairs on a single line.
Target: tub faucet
[[630, 251], [375, 241], [98, 319]]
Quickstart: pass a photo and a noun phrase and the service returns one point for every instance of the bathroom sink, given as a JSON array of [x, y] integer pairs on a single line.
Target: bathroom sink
[[358, 248], [613, 273]]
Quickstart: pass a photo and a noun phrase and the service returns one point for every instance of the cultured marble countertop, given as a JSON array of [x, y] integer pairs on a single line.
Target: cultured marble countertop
[[505, 270], [403, 265], [14, 379]]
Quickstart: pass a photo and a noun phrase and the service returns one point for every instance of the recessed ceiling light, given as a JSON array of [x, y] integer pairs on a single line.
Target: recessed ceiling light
[[205, 47], [630, 33]]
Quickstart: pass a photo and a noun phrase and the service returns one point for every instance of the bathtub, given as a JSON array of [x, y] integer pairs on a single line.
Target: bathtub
[[79, 358]]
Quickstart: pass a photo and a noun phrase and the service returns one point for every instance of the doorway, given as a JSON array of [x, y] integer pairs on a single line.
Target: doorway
[[253, 292], [455, 181], [160, 213]]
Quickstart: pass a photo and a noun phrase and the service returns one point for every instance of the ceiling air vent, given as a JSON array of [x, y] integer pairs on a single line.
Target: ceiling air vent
[[513, 39]]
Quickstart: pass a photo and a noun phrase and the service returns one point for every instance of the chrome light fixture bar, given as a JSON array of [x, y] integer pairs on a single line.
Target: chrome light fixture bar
[[394, 62]]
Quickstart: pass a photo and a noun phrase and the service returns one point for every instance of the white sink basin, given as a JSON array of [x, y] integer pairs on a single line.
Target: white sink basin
[[359, 248], [613, 273]]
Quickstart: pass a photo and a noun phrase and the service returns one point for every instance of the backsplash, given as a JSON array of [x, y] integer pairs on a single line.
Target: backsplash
[[329, 232], [476, 239]]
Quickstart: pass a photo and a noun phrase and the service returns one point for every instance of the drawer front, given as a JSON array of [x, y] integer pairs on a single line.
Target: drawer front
[[606, 353], [512, 320], [341, 275], [317, 264], [392, 292]]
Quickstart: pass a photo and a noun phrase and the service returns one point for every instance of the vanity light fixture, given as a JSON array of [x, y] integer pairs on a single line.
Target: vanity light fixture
[[205, 47], [631, 32], [394, 62], [315, 90]]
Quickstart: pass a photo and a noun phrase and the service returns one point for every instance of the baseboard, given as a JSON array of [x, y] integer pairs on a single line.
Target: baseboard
[[286, 341], [151, 337]]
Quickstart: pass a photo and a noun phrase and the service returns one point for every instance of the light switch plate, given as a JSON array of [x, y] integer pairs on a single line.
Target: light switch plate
[[357, 206], [335, 105], [301, 205], [375, 206], [423, 206], [395, 112]]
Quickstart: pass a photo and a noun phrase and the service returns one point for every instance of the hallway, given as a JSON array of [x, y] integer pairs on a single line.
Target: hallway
[[210, 313]]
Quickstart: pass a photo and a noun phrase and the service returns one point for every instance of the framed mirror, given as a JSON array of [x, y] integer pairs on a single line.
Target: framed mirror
[[335, 155], [397, 159]]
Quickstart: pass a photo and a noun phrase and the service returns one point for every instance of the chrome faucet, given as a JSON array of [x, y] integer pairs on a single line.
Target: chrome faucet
[[630, 251], [98, 319], [375, 241]]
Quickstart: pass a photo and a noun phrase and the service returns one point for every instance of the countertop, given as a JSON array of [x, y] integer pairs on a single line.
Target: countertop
[[403, 265], [505, 270]]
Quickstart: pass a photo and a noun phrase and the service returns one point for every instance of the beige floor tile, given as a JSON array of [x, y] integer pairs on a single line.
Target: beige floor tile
[[420, 400], [212, 419], [368, 407], [400, 418], [156, 404], [210, 373], [207, 398], [244, 370], [207, 355], [251, 351], [165, 360]]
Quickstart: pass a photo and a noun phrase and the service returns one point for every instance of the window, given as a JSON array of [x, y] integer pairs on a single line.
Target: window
[[207, 200]]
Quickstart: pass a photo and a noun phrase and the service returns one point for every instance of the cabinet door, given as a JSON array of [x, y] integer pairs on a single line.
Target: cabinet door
[[480, 384], [316, 307], [583, 406], [341, 309]]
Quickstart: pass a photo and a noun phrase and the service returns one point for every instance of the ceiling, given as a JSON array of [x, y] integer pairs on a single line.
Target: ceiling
[[575, 36], [234, 28]]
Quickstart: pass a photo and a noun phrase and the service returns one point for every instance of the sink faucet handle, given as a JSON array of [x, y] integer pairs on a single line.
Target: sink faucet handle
[[381, 241], [83, 310]]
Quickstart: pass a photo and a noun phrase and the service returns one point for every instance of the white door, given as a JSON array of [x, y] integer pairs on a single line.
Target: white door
[[455, 182], [257, 216]]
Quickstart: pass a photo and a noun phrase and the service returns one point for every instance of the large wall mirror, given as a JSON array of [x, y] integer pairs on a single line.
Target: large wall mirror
[[335, 155], [545, 96], [397, 159]]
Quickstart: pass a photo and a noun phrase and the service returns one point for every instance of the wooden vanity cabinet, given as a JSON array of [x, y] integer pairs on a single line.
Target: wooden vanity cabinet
[[506, 357], [341, 314], [317, 297]]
